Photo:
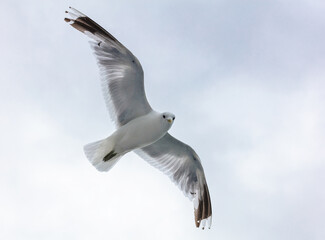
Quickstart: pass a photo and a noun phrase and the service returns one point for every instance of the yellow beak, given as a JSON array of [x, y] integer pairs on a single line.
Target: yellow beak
[[169, 120]]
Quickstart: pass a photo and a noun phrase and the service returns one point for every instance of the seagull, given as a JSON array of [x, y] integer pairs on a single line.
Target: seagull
[[139, 128]]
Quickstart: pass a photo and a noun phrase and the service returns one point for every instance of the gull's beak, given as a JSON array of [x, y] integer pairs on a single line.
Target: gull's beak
[[169, 120]]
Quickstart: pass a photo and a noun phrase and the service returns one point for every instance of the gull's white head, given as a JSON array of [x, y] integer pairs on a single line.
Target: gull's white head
[[168, 118]]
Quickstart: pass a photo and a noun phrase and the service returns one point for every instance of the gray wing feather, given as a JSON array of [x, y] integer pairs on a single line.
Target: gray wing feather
[[180, 162], [122, 83], [121, 71]]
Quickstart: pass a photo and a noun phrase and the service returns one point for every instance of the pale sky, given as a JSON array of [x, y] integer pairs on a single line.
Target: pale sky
[[245, 79]]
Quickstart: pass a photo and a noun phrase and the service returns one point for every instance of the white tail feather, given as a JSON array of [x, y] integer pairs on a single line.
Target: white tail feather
[[96, 152]]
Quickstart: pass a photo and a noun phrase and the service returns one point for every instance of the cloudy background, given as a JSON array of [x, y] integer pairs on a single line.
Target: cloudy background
[[245, 79]]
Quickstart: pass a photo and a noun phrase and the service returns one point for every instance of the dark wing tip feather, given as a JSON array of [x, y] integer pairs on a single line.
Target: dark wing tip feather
[[84, 24], [204, 209]]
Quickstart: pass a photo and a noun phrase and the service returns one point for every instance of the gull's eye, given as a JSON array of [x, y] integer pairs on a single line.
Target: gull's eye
[[173, 118], [164, 116]]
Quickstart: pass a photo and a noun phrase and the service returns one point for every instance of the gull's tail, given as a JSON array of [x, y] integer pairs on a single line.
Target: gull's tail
[[101, 154]]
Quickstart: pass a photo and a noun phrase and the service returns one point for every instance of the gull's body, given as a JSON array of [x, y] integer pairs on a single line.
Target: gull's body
[[139, 127], [138, 133], [141, 132]]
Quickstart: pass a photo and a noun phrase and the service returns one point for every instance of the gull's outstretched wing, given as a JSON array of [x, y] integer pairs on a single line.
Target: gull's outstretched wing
[[121, 72], [180, 162]]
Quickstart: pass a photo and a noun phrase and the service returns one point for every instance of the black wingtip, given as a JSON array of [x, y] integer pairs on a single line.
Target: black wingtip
[[203, 210]]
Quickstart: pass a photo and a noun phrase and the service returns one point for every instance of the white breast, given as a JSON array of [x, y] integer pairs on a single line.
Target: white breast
[[140, 132]]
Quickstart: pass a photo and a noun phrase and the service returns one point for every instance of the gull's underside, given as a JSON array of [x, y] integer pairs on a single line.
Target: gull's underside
[[123, 89]]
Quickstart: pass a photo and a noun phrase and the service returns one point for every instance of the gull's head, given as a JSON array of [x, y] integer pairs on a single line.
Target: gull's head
[[168, 117]]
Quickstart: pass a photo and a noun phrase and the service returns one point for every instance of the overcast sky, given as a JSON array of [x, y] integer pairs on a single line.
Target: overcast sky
[[245, 79]]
